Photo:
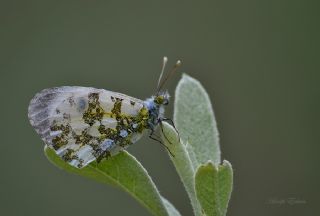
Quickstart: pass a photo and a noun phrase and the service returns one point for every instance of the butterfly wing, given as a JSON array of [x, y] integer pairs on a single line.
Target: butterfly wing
[[83, 124]]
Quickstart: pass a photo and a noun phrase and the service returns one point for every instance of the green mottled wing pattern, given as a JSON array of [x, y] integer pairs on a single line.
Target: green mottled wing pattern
[[83, 124]]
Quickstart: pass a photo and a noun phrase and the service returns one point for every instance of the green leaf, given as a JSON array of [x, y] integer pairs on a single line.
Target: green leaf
[[195, 121], [183, 164], [213, 187], [208, 185], [125, 172], [170, 208]]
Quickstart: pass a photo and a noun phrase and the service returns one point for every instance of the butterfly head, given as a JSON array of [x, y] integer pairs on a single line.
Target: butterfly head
[[162, 98]]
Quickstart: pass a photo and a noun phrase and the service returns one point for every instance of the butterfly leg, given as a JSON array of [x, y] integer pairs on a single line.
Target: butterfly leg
[[173, 125], [165, 136], [157, 138]]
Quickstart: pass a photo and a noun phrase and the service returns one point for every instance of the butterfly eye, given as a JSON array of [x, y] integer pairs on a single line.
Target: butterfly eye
[[165, 102]]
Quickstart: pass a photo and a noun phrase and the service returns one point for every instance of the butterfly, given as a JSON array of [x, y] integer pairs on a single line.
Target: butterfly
[[83, 124]]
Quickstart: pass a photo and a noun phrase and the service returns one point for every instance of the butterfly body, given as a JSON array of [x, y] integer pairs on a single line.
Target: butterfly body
[[84, 124]]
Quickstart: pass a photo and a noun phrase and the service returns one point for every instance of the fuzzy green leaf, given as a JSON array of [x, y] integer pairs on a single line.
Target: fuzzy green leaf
[[123, 171], [213, 185], [195, 121], [183, 164], [170, 208]]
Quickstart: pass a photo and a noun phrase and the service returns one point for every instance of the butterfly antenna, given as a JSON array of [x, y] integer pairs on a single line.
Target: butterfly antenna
[[164, 63], [174, 69]]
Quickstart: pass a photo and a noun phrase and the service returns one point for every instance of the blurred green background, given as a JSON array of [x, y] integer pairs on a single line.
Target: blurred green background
[[258, 60]]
